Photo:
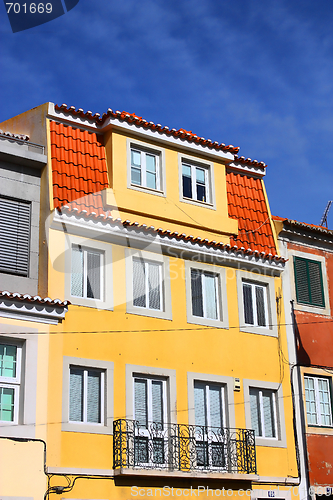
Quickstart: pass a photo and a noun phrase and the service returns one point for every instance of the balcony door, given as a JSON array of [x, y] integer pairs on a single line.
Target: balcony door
[[210, 432], [150, 414]]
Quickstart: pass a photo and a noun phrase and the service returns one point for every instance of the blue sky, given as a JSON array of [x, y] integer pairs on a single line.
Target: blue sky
[[253, 73]]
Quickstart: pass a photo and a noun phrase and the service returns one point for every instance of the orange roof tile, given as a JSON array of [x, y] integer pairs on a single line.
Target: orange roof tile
[[139, 121], [247, 204], [304, 225], [79, 167]]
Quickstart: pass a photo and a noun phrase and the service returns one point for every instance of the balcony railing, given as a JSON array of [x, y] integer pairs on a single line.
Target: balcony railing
[[185, 448]]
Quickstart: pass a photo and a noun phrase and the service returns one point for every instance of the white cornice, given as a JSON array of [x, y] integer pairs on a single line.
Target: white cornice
[[168, 245], [31, 312]]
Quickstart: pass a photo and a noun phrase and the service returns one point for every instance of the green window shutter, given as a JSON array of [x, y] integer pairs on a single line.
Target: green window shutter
[[309, 282]]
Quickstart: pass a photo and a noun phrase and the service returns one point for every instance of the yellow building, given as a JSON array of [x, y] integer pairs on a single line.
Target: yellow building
[[168, 375]]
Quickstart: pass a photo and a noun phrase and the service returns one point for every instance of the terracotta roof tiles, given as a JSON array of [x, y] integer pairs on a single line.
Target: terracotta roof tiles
[[34, 299]]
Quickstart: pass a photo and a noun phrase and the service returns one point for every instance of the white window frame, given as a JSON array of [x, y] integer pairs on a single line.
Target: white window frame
[[165, 311], [221, 295], [85, 394], [253, 286], [13, 382], [85, 251], [316, 378], [269, 283], [106, 368], [281, 440], [144, 149], [261, 412], [149, 380], [194, 163], [106, 272]]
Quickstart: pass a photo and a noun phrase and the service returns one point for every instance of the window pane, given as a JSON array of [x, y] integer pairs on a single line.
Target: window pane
[[200, 404], [94, 397], [261, 317], [6, 404], [76, 395], [8, 360], [151, 180], [157, 401], [151, 163], [255, 412], [210, 283], [200, 174], [187, 182], [310, 399], [136, 158], [93, 275], [325, 402], [140, 402], [201, 192], [77, 272], [187, 171], [248, 304], [154, 286], [136, 176], [267, 401], [196, 290], [139, 283], [215, 406]]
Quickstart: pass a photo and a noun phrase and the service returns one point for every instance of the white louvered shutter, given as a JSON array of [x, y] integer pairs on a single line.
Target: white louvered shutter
[[157, 401], [200, 404], [154, 284], [210, 283], [316, 289], [93, 275], [215, 406], [77, 272], [94, 397], [76, 395], [14, 236], [255, 411], [139, 283], [140, 402], [268, 413]]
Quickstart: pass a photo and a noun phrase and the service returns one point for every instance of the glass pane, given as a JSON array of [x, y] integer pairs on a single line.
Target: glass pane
[[200, 404], [196, 289], [187, 187], [210, 283], [218, 455], [140, 402], [8, 355], [215, 406], [136, 158], [310, 399], [141, 450], [200, 174], [158, 451], [248, 304], [151, 163], [94, 397], [76, 395], [6, 404], [139, 283], [93, 275], [157, 401], [325, 402], [151, 180], [267, 401], [154, 286], [136, 176], [261, 317], [77, 273], [202, 453], [201, 193], [186, 171], [255, 412]]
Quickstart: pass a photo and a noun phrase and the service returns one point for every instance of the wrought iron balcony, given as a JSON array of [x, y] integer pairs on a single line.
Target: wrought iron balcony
[[185, 448]]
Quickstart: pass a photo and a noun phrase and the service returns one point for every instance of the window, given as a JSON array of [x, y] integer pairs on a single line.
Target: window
[[86, 395], [14, 236], [210, 419], [148, 291], [195, 182], [150, 414], [10, 377], [255, 304], [147, 284], [87, 400], [145, 169], [263, 412], [318, 401], [309, 282], [87, 273], [205, 294]]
